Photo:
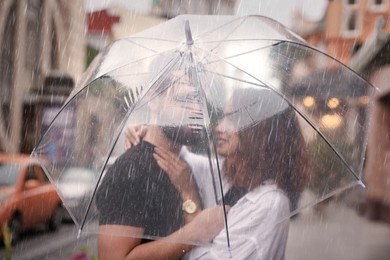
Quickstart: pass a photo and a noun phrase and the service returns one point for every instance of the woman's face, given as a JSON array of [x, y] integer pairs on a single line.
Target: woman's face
[[227, 138]]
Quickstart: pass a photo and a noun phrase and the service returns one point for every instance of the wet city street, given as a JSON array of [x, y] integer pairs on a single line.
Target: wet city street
[[261, 126], [337, 232]]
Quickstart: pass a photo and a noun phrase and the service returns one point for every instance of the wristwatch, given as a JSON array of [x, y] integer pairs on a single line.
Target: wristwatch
[[189, 207]]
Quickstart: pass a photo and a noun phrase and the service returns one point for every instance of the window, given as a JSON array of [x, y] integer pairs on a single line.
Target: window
[[33, 14], [378, 5], [9, 174], [30, 175], [41, 172], [351, 20], [356, 48], [7, 53], [54, 62]]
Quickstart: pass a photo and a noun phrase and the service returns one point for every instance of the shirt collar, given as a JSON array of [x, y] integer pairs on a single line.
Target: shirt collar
[[254, 195]]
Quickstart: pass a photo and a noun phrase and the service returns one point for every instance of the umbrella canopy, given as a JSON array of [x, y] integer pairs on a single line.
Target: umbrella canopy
[[185, 77]]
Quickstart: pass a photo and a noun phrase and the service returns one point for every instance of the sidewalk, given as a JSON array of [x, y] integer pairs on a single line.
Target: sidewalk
[[337, 233]]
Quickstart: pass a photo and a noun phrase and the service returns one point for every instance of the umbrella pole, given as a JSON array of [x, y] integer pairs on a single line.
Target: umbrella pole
[[187, 30], [220, 186], [194, 71]]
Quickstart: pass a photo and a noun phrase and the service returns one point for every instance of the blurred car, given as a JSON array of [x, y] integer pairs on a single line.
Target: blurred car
[[27, 198], [76, 186]]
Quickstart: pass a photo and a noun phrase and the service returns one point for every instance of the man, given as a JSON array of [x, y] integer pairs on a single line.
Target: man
[[136, 198]]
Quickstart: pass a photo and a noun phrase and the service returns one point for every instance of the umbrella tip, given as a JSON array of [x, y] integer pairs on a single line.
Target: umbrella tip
[[362, 184], [187, 29]]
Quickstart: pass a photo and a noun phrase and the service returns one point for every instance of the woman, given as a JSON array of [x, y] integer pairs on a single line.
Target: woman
[[264, 167]]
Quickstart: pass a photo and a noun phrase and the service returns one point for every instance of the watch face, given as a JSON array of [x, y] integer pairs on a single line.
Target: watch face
[[189, 207]]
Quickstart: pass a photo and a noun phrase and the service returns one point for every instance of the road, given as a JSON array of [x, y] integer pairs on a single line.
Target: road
[[337, 233], [42, 244]]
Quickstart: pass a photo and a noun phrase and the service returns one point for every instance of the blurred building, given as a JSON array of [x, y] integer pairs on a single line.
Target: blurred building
[[357, 33], [99, 33], [346, 26], [172, 8], [132, 22], [42, 55], [110, 24]]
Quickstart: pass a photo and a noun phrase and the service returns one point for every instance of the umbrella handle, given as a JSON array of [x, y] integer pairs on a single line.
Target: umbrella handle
[[187, 30]]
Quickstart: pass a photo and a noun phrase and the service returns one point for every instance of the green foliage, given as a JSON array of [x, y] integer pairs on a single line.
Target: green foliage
[[328, 170], [91, 54], [84, 253], [7, 239]]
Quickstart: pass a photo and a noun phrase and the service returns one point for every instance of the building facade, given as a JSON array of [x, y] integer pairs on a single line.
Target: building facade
[[172, 8], [357, 32], [346, 26], [39, 39]]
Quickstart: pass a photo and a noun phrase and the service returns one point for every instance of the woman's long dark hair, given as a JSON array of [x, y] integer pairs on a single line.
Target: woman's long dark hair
[[273, 149]]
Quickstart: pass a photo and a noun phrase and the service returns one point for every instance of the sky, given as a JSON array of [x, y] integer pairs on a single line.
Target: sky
[[280, 10]]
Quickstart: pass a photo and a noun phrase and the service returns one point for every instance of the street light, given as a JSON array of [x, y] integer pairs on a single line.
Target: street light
[[363, 100], [331, 121], [309, 101], [333, 103]]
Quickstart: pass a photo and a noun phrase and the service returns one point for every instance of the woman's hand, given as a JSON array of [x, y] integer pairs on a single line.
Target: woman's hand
[[176, 169], [133, 135], [180, 176]]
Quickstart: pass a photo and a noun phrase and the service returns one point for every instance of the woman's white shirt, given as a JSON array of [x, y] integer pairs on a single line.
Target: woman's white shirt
[[258, 228], [207, 180]]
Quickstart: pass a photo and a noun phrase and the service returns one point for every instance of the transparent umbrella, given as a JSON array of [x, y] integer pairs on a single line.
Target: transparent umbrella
[[192, 81]]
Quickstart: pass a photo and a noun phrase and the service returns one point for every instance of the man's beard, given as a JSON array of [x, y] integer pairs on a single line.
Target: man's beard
[[184, 135]]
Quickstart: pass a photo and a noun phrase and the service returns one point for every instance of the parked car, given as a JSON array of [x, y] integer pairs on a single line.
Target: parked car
[[76, 186], [27, 198]]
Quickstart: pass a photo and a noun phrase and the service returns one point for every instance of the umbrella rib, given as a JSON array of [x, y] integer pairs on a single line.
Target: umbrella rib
[[237, 79], [237, 55], [289, 42], [332, 193], [55, 117], [231, 32], [150, 38], [162, 73], [221, 26], [122, 66], [138, 60], [248, 39], [142, 46], [121, 126]]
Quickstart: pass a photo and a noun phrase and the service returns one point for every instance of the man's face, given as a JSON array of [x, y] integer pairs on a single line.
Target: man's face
[[179, 110], [181, 102]]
